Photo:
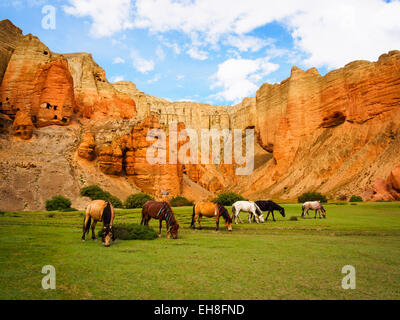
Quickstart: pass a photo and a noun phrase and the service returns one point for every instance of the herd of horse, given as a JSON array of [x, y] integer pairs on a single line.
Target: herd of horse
[[100, 210]]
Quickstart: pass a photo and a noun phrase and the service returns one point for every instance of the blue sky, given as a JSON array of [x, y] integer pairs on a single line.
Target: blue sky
[[212, 51]]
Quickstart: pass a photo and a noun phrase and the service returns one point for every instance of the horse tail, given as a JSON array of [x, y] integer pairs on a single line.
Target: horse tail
[[86, 227], [193, 215]]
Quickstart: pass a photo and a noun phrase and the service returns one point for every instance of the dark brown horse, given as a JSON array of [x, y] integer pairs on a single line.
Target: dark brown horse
[[160, 211], [99, 210]]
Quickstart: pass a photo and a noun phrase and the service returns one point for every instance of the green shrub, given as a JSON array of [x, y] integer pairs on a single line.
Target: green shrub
[[51, 215], [69, 210], [137, 200], [312, 196], [132, 231], [96, 193], [58, 203], [180, 202], [2, 213], [356, 199], [228, 199]]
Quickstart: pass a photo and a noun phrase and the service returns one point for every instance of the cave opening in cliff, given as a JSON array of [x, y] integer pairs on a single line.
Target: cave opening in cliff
[[55, 107], [64, 120], [7, 99], [55, 118], [45, 53], [48, 106]]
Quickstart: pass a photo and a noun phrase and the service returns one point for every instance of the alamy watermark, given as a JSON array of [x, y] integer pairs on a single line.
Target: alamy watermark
[[49, 20], [349, 281], [49, 281], [187, 147]]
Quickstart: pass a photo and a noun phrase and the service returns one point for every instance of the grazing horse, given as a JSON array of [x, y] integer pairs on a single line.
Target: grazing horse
[[210, 210], [100, 210], [314, 205], [160, 211], [270, 206], [246, 206]]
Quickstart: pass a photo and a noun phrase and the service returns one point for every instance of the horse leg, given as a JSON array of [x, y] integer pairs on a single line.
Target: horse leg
[[316, 211], [85, 222], [159, 228], [199, 220], [240, 219], [273, 216], [93, 234], [217, 223], [267, 216]]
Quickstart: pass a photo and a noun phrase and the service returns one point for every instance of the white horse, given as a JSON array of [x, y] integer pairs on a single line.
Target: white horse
[[246, 206], [313, 205]]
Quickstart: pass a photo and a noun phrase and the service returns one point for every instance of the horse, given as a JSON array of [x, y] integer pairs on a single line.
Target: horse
[[270, 206], [160, 211], [246, 206], [313, 205], [100, 210], [209, 210]]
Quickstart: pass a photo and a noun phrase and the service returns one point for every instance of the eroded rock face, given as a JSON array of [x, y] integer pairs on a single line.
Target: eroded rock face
[[152, 178], [394, 178], [333, 133], [86, 149], [338, 134], [110, 159], [9, 36], [95, 97], [23, 126]]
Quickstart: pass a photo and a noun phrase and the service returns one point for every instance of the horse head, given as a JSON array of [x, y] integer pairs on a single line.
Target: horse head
[[107, 235], [323, 211], [282, 211], [173, 230], [226, 216]]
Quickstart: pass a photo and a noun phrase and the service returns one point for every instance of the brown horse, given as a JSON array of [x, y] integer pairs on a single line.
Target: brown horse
[[161, 211], [210, 210], [100, 210]]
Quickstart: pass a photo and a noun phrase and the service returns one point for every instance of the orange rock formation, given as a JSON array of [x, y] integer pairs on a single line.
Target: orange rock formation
[[337, 134]]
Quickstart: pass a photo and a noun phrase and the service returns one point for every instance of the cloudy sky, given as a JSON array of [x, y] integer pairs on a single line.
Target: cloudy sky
[[211, 51]]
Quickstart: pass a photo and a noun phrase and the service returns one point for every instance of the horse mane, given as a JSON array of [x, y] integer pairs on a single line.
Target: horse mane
[[107, 214], [169, 213], [225, 213]]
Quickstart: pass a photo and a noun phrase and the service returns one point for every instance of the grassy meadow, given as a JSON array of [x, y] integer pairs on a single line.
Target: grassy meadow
[[276, 260]]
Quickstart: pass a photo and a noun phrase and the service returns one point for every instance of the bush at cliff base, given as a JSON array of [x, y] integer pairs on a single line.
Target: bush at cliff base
[[180, 202], [228, 199], [58, 203], [312, 196], [96, 193], [137, 200], [356, 199], [132, 231]]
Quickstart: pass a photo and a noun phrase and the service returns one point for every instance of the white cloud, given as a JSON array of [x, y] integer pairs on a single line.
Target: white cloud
[[160, 53], [118, 60], [247, 43], [180, 77], [239, 78], [140, 64], [196, 53], [117, 79], [156, 78], [328, 33], [108, 17]]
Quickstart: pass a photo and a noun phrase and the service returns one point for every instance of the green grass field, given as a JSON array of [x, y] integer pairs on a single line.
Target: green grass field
[[282, 260]]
